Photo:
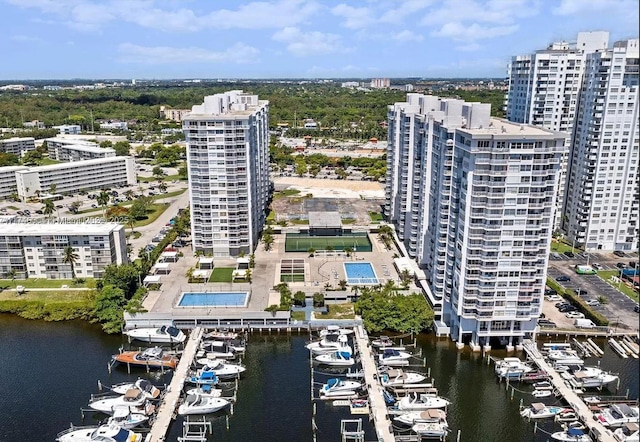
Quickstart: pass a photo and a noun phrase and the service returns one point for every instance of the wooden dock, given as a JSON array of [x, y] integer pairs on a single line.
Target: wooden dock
[[167, 407], [377, 404], [596, 429]]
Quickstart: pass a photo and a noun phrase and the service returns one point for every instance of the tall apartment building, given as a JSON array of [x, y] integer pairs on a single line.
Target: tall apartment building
[[64, 149], [17, 146], [37, 250], [380, 83], [601, 204], [472, 198], [228, 161], [544, 90]]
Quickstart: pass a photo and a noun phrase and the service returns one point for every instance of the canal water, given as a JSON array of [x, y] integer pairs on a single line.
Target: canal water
[[48, 372]]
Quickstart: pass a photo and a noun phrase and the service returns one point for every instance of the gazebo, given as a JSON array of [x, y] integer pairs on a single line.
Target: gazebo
[[169, 257], [161, 268], [205, 263], [151, 280]]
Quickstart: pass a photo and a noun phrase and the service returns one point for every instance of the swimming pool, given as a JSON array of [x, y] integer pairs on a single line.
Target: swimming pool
[[360, 273], [214, 299]]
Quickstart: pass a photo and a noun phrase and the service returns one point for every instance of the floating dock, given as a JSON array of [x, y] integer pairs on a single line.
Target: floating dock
[[377, 405], [596, 429], [167, 408]]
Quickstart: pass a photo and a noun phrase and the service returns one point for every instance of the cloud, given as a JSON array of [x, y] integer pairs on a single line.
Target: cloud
[[500, 12], [407, 8], [309, 43], [238, 53], [407, 35], [573, 7], [460, 32], [26, 39], [355, 18]]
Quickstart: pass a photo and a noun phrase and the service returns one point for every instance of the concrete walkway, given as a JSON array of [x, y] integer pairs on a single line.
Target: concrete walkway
[[170, 401]]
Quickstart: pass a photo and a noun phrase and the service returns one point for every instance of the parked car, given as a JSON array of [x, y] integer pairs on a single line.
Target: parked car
[[597, 266], [179, 243], [550, 292], [621, 265], [592, 302], [546, 323], [574, 315], [569, 254], [636, 308], [584, 323], [633, 264], [94, 206], [562, 304], [39, 212], [581, 292], [619, 253], [563, 278], [553, 298], [567, 308]]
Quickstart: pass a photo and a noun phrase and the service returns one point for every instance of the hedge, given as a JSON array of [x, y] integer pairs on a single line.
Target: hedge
[[579, 303]]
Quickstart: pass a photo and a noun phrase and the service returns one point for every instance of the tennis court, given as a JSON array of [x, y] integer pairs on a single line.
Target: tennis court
[[358, 242]]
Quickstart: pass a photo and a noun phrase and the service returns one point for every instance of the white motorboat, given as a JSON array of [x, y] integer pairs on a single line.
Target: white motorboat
[[571, 435], [201, 404], [222, 370], [162, 335], [415, 401], [544, 385], [385, 342], [512, 368], [150, 391], [205, 390], [431, 429], [336, 359], [134, 397], [565, 357], [217, 349], [319, 350], [566, 415], [328, 344], [203, 378], [541, 393], [339, 387], [235, 345], [593, 377], [627, 433], [617, 415], [126, 418], [431, 415], [397, 377], [390, 356], [539, 410], [335, 330], [221, 335], [103, 433]]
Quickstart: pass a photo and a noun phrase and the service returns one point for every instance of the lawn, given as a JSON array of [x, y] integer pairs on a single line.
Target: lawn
[[299, 221], [148, 179], [298, 316], [128, 203], [13, 208], [376, 217], [561, 247], [284, 193], [605, 275], [45, 161], [157, 210], [338, 311], [271, 218], [287, 277], [49, 296], [222, 274], [41, 283]]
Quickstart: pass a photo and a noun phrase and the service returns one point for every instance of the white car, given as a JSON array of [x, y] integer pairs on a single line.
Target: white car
[[596, 266], [593, 302], [574, 315], [553, 298]]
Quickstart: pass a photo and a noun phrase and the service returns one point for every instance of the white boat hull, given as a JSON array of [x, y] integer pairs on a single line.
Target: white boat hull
[[155, 335], [210, 405], [563, 436], [547, 413], [214, 392], [406, 403], [108, 405], [328, 359], [104, 433], [342, 388], [541, 393], [405, 378], [430, 429]]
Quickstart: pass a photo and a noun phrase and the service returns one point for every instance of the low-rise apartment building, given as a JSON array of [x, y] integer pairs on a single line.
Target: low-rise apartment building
[[68, 129], [8, 180], [38, 250], [63, 149], [17, 146]]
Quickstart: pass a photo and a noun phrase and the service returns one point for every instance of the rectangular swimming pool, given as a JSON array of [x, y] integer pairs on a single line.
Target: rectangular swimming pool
[[360, 273], [214, 299]]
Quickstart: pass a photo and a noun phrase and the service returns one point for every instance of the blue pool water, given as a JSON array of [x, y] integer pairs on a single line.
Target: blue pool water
[[214, 299], [360, 273]]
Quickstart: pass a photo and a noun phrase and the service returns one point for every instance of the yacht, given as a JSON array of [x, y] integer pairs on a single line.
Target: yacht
[[201, 404], [512, 368], [163, 335], [571, 435], [390, 356], [397, 378], [221, 335], [385, 342], [126, 418], [203, 378], [431, 429], [541, 393], [150, 391], [336, 359], [416, 402], [339, 387], [617, 415], [235, 345], [103, 433], [205, 390], [627, 433], [132, 398], [153, 357], [335, 330], [565, 357], [217, 349], [539, 410], [328, 344], [431, 415], [593, 377], [222, 370]]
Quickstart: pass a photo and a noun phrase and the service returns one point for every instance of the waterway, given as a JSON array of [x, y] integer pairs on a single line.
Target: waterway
[[49, 370]]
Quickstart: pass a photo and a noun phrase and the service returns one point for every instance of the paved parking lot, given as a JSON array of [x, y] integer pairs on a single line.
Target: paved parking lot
[[619, 308]]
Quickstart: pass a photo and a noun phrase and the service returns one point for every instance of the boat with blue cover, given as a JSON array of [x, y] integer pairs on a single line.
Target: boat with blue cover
[[339, 387], [336, 359], [204, 378]]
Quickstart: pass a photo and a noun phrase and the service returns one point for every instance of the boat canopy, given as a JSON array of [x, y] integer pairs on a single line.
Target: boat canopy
[[132, 394], [575, 432], [333, 382], [390, 352], [172, 331], [538, 406], [433, 413], [344, 355], [206, 375], [154, 352]]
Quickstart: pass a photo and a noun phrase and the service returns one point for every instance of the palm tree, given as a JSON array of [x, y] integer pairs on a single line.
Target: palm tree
[[129, 194], [103, 199], [11, 274], [70, 257], [48, 207]]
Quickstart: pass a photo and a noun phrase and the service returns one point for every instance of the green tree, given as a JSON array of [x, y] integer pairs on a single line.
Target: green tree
[[122, 148], [74, 206], [299, 298], [52, 188], [9, 159], [267, 239], [31, 158], [48, 207], [124, 276], [129, 194], [183, 172], [138, 209], [158, 172], [382, 309], [109, 304], [342, 284], [318, 299], [103, 199], [105, 144], [69, 256]]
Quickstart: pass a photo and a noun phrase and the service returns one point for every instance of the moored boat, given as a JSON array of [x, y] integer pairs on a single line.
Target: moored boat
[[220, 335], [398, 377], [430, 429], [627, 433], [391, 356], [204, 378], [335, 330], [205, 390], [222, 370], [541, 393], [617, 415], [133, 399], [153, 357], [430, 415], [539, 410], [593, 377], [217, 349], [103, 433], [339, 387], [512, 368], [162, 335], [415, 401], [127, 418], [149, 390], [201, 404], [571, 435], [328, 344], [336, 359]]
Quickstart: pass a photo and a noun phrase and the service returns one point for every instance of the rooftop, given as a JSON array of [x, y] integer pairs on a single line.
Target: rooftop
[[325, 220], [498, 126], [15, 139], [15, 227], [74, 164]]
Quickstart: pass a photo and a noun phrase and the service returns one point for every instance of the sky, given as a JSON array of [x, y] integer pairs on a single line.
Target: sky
[[162, 39]]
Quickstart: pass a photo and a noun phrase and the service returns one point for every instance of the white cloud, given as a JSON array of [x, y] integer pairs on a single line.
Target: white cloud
[[407, 35], [460, 32], [355, 18], [308, 43], [26, 39], [573, 7], [238, 53], [407, 8], [502, 12]]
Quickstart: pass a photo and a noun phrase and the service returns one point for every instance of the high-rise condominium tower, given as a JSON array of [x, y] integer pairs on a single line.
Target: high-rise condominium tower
[[601, 203], [472, 198], [228, 160], [544, 90]]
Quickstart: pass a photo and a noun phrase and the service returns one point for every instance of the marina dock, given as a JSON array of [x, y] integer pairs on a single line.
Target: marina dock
[[578, 405], [377, 405], [167, 407]]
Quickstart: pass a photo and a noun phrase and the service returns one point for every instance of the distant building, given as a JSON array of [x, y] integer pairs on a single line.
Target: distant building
[[114, 125], [173, 114], [8, 183], [64, 149], [35, 124], [68, 129], [408, 88], [228, 162], [309, 123], [17, 146], [37, 250], [380, 83], [350, 84]]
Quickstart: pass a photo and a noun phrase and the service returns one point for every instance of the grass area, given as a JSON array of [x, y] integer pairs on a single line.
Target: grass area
[[348, 221], [298, 316], [291, 278], [375, 216], [271, 218], [50, 296], [155, 211], [339, 311], [148, 179], [606, 275], [135, 234], [562, 246], [128, 203], [299, 221], [222, 274], [285, 193], [13, 208], [45, 161], [41, 283]]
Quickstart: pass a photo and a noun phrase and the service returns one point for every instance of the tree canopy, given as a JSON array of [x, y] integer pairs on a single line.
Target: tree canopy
[[383, 308]]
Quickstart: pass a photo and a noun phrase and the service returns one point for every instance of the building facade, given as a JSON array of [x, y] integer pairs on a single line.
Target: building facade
[[472, 199], [63, 149], [103, 173], [8, 184], [228, 162], [38, 250], [544, 90], [17, 146], [69, 129], [601, 203]]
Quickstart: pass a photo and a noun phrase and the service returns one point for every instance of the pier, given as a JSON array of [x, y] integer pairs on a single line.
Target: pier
[[595, 427], [377, 404], [167, 407]]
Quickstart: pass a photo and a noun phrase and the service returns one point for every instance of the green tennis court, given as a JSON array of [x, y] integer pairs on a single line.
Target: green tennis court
[[358, 242]]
